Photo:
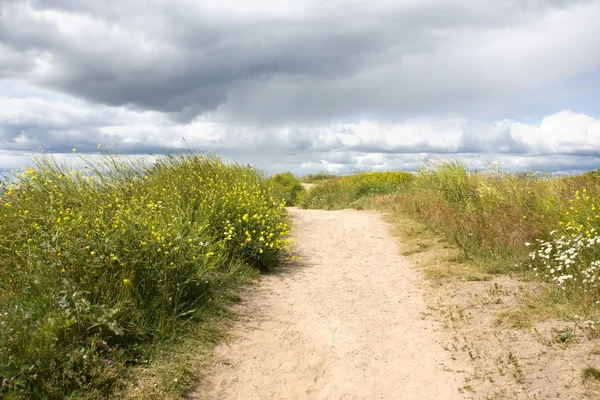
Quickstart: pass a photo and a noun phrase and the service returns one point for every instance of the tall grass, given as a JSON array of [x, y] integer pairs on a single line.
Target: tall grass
[[99, 262], [492, 212]]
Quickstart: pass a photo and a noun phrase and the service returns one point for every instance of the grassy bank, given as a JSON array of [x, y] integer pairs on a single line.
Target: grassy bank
[[353, 190], [102, 267], [536, 226]]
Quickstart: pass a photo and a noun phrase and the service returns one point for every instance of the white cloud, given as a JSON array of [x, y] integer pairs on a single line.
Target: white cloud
[[59, 124], [562, 133]]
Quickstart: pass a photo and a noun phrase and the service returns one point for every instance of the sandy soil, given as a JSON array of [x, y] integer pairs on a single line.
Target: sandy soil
[[487, 329], [345, 322]]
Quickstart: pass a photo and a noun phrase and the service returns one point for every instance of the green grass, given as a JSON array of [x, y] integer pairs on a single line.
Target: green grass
[[319, 176], [287, 187], [102, 266], [591, 373], [354, 191]]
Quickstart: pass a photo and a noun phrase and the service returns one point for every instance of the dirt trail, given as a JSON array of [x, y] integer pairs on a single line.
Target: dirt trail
[[346, 322]]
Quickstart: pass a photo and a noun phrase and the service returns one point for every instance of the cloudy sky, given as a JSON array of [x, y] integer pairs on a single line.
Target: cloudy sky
[[305, 85]]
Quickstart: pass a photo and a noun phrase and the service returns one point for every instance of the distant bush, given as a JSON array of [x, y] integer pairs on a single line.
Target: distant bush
[[319, 176], [98, 263], [353, 190], [287, 187]]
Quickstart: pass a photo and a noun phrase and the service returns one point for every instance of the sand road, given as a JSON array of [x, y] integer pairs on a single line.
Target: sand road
[[345, 322]]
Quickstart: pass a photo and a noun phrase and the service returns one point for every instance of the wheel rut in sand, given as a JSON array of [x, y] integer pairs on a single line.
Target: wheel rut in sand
[[345, 322]]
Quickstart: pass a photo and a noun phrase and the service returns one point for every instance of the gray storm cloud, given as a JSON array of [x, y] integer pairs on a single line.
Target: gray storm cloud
[[281, 63], [304, 85]]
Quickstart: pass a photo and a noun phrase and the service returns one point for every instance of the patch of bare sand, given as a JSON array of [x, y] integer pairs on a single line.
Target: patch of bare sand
[[346, 322], [543, 360]]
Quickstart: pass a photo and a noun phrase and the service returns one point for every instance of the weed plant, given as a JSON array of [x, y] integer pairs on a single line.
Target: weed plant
[[570, 258]]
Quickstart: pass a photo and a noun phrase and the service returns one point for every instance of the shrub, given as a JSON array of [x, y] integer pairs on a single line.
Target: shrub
[[319, 176], [287, 187]]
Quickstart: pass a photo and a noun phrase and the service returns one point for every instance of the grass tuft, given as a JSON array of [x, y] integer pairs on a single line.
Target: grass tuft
[[591, 373]]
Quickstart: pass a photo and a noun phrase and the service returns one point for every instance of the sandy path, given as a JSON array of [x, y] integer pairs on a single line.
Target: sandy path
[[345, 323]]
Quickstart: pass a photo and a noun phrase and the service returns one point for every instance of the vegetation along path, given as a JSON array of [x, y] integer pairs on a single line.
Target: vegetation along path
[[345, 322]]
